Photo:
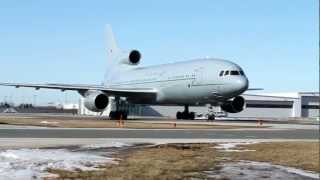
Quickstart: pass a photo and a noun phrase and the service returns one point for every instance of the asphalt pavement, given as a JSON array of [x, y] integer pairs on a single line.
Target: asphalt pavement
[[159, 134]]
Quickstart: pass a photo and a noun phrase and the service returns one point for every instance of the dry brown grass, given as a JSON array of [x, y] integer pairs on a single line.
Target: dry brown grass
[[161, 162], [188, 161], [301, 155], [73, 122]]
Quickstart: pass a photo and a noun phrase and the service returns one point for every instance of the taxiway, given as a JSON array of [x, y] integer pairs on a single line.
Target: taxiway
[[159, 133]]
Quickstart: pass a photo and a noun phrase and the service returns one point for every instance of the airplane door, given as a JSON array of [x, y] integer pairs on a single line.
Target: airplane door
[[198, 76]]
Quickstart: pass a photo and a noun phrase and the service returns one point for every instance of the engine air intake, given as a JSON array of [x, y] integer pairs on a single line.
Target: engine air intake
[[134, 57], [234, 106]]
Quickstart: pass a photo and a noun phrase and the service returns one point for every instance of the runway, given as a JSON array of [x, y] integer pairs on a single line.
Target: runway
[[159, 134]]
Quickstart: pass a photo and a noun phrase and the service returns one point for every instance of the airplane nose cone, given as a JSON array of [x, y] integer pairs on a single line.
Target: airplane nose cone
[[242, 84]]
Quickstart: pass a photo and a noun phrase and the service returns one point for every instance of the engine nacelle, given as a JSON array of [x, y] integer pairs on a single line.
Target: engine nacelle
[[133, 58], [96, 101], [234, 106]]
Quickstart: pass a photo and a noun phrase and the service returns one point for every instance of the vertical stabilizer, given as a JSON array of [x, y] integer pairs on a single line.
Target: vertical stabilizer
[[113, 53], [112, 48]]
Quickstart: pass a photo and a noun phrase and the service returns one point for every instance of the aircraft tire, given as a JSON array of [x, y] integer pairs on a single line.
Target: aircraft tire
[[192, 115], [212, 117], [124, 115], [116, 115], [179, 115], [112, 115], [185, 115]]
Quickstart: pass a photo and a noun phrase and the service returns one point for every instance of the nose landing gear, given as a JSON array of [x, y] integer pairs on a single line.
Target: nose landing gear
[[211, 115], [185, 114]]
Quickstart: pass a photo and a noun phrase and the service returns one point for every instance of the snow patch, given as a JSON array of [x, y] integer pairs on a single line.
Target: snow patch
[[229, 147], [301, 172], [251, 170], [32, 163], [288, 169]]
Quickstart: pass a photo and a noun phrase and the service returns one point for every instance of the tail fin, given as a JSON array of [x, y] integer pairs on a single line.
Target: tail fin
[[113, 52], [112, 48]]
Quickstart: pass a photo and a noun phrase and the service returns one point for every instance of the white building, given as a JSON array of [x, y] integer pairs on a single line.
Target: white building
[[275, 105], [133, 109], [294, 104]]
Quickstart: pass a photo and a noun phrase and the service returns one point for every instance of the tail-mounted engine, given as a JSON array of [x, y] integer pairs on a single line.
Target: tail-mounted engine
[[96, 101], [133, 58], [234, 106]]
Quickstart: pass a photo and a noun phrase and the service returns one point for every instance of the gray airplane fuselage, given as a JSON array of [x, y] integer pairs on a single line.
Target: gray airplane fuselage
[[205, 81], [194, 82]]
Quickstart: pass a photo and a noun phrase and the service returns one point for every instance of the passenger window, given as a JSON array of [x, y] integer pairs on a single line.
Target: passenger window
[[226, 73], [221, 73], [234, 72]]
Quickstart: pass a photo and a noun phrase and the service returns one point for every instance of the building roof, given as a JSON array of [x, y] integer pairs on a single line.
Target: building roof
[[293, 95]]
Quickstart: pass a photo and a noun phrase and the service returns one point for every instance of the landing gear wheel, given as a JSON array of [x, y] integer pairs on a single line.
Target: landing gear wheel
[[211, 117], [117, 115], [124, 115], [112, 115], [179, 115], [185, 115], [192, 115]]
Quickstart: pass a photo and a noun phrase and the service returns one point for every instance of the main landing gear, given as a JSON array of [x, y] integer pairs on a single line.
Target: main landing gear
[[186, 114], [118, 114], [211, 115]]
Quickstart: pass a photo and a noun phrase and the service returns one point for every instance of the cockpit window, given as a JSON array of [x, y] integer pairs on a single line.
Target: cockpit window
[[234, 72], [221, 73]]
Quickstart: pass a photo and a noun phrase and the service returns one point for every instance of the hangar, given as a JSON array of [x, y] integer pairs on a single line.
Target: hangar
[[274, 105]]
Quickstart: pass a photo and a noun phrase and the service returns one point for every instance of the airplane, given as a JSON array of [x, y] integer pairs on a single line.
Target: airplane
[[196, 82]]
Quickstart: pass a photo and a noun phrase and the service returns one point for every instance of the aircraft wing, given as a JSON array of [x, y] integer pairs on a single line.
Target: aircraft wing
[[125, 92]]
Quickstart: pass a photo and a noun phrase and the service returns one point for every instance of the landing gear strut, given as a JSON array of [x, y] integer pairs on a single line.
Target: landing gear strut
[[117, 114], [185, 114], [211, 115]]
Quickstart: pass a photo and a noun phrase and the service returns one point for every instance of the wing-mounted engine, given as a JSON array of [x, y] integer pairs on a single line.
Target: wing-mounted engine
[[234, 106], [96, 101], [131, 58]]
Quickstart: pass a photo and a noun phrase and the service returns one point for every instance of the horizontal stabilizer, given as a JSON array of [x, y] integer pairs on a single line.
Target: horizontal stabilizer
[[255, 89]]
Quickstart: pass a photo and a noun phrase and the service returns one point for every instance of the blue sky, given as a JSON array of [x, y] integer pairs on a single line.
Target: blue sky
[[276, 42]]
